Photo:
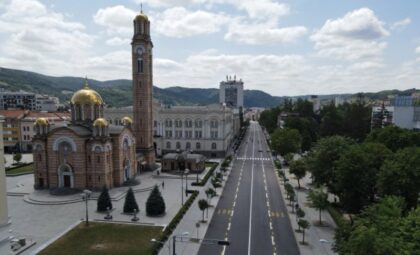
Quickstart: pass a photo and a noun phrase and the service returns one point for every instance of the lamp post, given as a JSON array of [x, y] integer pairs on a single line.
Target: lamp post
[[182, 188], [174, 241], [187, 171], [86, 195]]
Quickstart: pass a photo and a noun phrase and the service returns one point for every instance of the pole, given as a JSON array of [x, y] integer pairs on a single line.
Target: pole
[[182, 188], [186, 185], [87, 216], [173, 245]]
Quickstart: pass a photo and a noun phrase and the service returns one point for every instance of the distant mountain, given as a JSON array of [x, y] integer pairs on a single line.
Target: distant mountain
[[119, 92]]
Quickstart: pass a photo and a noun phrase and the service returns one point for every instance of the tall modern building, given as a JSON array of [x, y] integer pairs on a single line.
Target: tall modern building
[[143, 89], [231, 92]]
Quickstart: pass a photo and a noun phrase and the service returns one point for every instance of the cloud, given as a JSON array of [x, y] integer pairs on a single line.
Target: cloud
[[355, 36], [117, 41], [264, 9], [39, 39], [263, 33], [116, 19], [179, 22], [401, 24], [418, 50]]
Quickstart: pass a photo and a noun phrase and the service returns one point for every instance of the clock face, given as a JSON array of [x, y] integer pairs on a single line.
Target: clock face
[[140, 50]]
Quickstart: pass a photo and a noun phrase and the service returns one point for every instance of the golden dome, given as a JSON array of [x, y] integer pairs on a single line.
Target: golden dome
[[41, 122], [86, 96], [127, 120], [141, 15], [100, 122]]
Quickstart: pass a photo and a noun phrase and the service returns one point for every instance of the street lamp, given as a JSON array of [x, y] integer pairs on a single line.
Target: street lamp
[[174, 241], [86, 195], [187, 171]]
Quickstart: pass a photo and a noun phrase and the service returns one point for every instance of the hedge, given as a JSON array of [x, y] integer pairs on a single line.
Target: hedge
[[18, 166], [207, 177], [174, 223]]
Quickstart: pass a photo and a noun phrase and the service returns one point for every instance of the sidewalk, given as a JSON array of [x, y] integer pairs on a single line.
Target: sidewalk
[[193, 215], [315, 233]]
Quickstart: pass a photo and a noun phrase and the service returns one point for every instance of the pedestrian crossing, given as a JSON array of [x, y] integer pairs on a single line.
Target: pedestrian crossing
[[251, 158], [224, 211]]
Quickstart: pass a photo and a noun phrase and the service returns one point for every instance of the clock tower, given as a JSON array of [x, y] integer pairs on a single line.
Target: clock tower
[[143, 89]]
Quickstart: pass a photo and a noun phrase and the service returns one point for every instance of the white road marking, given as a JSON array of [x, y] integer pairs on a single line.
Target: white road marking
[[252, 189]]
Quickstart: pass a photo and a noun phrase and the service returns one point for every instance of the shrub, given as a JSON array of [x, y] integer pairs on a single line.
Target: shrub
[[17, 157], [130, 202], [104, 201], [155, 205]]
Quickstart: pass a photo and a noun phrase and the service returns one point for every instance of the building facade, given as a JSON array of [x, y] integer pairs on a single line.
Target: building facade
[[47, 103], [12, 129], [231, 93], [207, 130], [86, 153], [142, 64], [17, 100]]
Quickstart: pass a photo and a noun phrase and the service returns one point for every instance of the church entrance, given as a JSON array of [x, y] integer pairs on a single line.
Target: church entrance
[[67, 182]]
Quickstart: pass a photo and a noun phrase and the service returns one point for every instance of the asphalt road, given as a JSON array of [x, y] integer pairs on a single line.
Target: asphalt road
[[251, 213]]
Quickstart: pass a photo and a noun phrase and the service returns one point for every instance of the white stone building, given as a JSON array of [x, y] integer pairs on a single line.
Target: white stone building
[[206, 130]]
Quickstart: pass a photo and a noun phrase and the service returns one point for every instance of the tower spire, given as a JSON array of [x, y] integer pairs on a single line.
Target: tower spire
[[86, 86], [141, 7]]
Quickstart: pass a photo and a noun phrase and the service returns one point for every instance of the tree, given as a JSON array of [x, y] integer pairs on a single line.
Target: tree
[[286, 141], [381, 229], [298, 168], [210, 193], [203, 205], [17, 157], [216, 183], [356, 120], [318, 200], [394, 138], [357, 171], [130, 202], [304, 224], [400, 176], [104, 201], [307, 127], [155, 205], [331, 121], [300, 214], [322, 158]]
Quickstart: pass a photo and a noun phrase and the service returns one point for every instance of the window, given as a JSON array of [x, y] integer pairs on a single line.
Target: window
[[198, 134], [198, 123], [178, 145], [168, 145], [214, 123], [155, 123], [39, 157], [168, 133], [140, 65], [178, 134], [178, 123], [188, 134], [213, 134], [213, 146], [168, 123], [198, 146], [188, 123], [98, 159], [188, 145]]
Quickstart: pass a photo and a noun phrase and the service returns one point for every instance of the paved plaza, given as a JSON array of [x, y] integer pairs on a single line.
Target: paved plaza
[[40, 217]]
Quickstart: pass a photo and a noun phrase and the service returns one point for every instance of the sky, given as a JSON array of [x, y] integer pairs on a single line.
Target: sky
[[285, 48]]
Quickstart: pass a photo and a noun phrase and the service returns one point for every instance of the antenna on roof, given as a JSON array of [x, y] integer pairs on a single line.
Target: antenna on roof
[[141, 7]]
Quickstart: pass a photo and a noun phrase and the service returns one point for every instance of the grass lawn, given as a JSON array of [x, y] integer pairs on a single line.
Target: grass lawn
[[21, 170], [105, 238]]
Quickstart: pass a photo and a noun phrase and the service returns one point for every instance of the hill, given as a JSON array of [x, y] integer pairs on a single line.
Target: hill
[[119, 92]]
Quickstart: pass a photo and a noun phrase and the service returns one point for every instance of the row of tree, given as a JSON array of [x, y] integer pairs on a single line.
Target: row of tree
[[302, 127], [155, 205]]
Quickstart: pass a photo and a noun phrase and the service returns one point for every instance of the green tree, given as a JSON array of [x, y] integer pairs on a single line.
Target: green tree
[[155, 205], [130, 202], [286, 141], [394, 138], [331, 121], [356, 120], [400, 176], [307, 127], [378, 231], [104, 201], [357, 171], [203, 205], [322, 158], [268, 119], [17, 157], [303, 224], [318, 200], [210, 193], [298, 168], [300, 214]]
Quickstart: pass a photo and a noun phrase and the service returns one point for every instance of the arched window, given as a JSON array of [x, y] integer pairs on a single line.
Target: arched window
[[188, 145], [198, 123], [168, 145], [188, 123], [140, 65], [198, 146], [168, 123], [178, 145], [213, 146], [214, 123], [178, 123]]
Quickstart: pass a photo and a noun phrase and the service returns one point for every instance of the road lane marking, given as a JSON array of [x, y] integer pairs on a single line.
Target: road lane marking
[[252, 188]]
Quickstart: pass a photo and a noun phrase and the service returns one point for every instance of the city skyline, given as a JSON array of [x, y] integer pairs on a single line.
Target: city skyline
[[274, 46]]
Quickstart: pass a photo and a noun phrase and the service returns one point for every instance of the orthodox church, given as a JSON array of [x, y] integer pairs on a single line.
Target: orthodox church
[[89, 152]]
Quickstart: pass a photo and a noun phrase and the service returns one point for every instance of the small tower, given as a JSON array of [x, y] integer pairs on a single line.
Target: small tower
[[143, 88], [42, 126]]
